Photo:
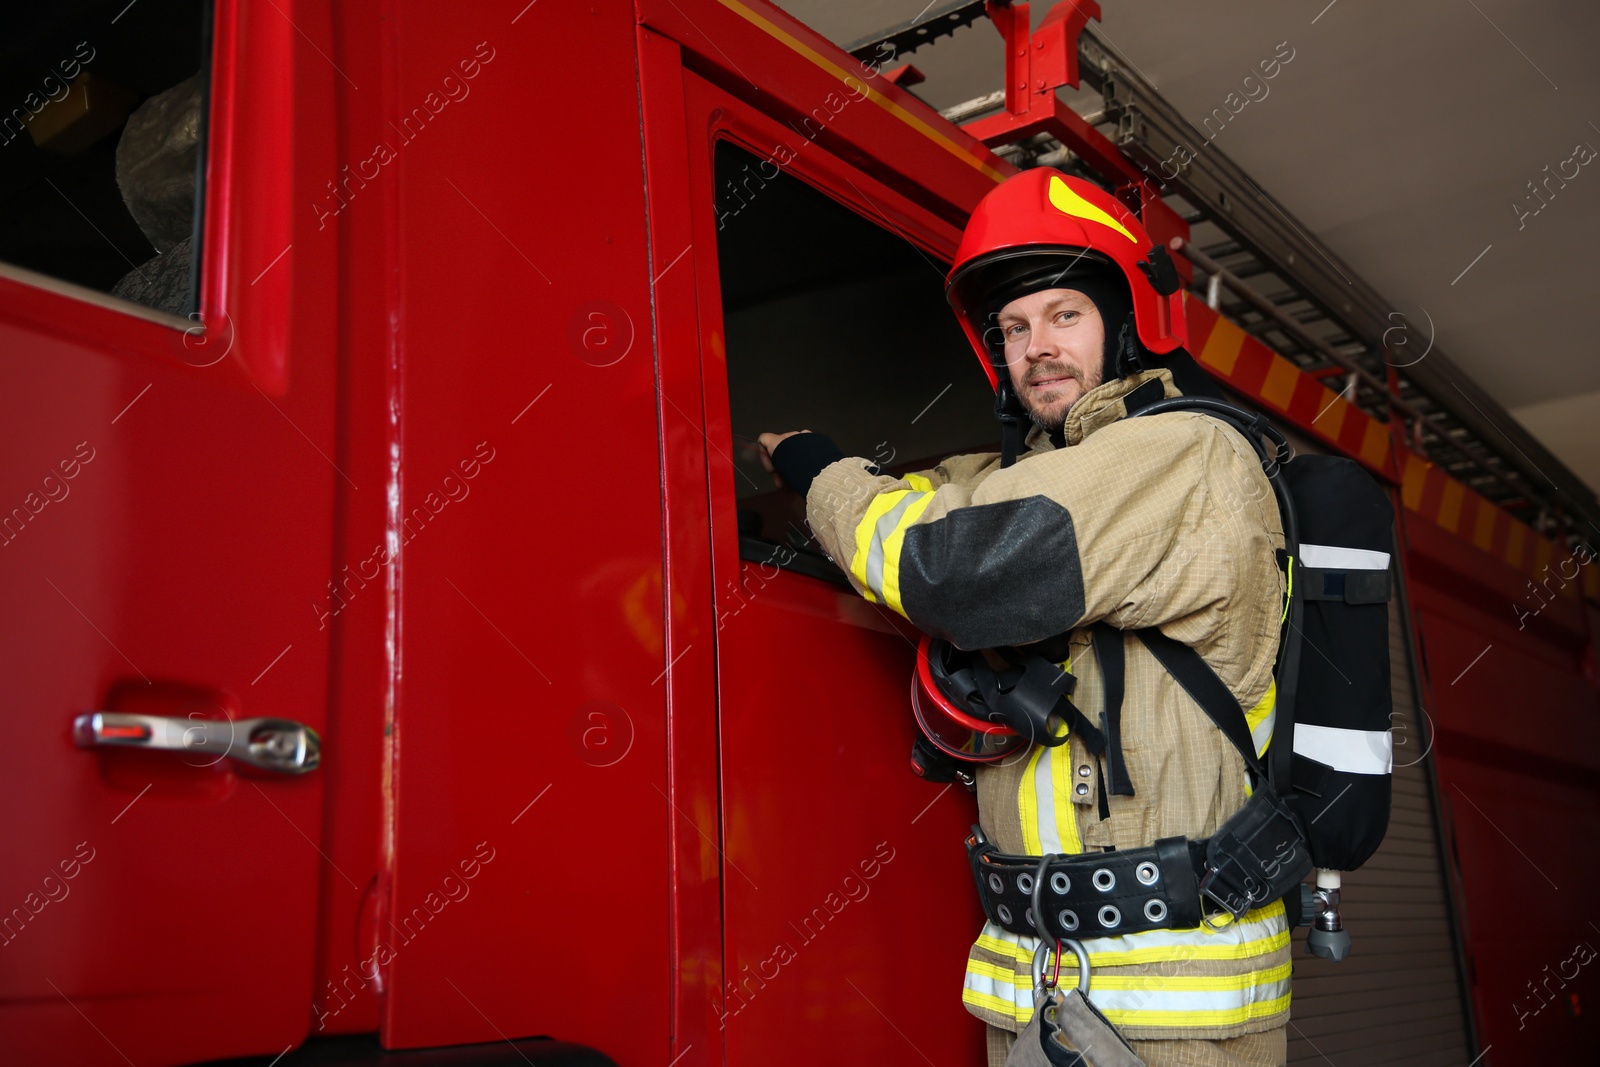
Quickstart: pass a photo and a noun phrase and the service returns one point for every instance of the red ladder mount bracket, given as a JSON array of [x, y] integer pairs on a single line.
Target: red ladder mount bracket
[[1039, 63]]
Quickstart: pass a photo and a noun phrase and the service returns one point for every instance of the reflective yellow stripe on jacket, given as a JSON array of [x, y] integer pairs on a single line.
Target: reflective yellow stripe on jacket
[[1260, 719], [1048, 822], [880, 535], [999, 974]]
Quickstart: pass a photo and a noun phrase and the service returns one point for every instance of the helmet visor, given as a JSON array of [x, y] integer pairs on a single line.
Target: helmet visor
[[957, 734]]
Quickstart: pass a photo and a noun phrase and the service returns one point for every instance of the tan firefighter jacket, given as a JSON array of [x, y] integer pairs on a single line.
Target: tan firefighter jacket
[[1162, 520]]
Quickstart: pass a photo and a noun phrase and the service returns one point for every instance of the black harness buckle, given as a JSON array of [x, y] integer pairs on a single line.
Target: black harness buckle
[[1257, 857]]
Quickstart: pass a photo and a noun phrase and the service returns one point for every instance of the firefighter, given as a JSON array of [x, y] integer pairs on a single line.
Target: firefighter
[[1163, 521]]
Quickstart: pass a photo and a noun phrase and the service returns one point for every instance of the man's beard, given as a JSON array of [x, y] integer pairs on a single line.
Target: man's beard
[[1054, 423]]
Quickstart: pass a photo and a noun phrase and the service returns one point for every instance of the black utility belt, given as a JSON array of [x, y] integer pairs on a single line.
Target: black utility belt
[[1257, 857]]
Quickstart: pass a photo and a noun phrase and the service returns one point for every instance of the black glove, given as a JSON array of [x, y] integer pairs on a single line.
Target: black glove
[[800, 458]]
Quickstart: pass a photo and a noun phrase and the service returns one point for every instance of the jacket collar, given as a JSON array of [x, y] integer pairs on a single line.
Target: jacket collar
[[1099, 408]]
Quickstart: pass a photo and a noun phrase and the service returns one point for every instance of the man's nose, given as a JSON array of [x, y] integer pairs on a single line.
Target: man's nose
[[1040, 346]]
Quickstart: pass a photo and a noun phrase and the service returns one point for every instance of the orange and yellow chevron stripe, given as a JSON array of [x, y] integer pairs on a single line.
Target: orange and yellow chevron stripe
[[1279, 385]]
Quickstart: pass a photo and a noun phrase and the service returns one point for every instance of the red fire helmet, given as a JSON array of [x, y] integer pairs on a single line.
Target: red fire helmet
[[1039, 230]]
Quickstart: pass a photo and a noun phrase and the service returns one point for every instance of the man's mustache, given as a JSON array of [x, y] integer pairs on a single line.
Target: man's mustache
[[1060, 372]]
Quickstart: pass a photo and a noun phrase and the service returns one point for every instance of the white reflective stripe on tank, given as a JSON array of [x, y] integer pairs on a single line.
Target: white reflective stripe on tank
[[1339, 558], [1353, 751]]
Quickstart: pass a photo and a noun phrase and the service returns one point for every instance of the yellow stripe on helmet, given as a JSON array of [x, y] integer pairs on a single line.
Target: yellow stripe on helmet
[[1063, 199]]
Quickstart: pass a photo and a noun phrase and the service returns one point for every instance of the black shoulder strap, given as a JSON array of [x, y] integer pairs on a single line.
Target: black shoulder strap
[[1202, 683], [1281, 755]]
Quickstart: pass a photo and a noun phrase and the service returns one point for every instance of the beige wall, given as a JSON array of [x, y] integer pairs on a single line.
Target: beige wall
[[1570, 427]]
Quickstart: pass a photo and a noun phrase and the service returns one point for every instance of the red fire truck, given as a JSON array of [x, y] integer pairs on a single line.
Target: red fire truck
[[406, 650]]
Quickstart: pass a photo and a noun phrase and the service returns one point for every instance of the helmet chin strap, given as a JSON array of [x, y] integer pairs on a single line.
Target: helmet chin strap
[[1008, 409], [1130, 354]]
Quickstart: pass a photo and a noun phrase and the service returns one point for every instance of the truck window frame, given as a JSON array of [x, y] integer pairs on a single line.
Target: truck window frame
[[842, 186], [256, 251], [103, 297]]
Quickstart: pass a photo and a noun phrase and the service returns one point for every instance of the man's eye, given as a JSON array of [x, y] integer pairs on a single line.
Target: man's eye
[[1066, 316]]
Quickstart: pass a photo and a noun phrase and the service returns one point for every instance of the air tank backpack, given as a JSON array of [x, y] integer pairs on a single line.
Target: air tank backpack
[[1330, 759]]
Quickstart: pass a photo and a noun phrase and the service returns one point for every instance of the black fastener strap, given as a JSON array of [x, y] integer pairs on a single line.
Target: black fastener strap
[[1351, 587], [1023, 697], [1108, 650], [1177, 858]]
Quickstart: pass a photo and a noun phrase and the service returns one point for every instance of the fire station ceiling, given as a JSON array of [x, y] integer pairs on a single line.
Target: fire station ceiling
[[1412, 138]]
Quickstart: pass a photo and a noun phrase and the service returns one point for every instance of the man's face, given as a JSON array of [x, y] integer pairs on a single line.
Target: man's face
[[1054, 348]]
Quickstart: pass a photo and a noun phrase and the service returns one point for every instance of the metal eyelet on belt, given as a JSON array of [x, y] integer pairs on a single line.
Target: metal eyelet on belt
[[1147, 873], [996, 883], [1067, 919], [1027, 920], [1025, 883], [1004, 913], [1155, 909], [1104, 880], [1110, 917], [1060, 884]]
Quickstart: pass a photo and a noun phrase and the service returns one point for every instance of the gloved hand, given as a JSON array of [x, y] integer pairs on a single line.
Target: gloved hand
[[795, 458]]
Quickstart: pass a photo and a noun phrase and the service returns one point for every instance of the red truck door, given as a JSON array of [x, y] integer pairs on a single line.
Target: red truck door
[[169, 577], [847, 906], [168, 489]]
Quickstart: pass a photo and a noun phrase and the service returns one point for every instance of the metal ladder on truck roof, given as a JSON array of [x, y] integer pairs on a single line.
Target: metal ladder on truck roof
[[1262, 269]]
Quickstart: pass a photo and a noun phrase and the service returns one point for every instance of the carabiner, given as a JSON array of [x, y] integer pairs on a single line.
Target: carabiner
[[1042, 953]]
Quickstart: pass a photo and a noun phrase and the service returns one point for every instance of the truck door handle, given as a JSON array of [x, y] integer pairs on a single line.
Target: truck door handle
[[280, 745]]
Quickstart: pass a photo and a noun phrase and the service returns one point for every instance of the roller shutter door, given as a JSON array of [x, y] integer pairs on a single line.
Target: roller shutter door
[[1397, 998]]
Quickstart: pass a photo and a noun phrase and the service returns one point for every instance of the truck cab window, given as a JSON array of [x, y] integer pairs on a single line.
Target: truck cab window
[[836, 325], [102, 135]]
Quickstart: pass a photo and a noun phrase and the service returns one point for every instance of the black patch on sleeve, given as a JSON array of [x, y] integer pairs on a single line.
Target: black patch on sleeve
[[1006, 573]]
